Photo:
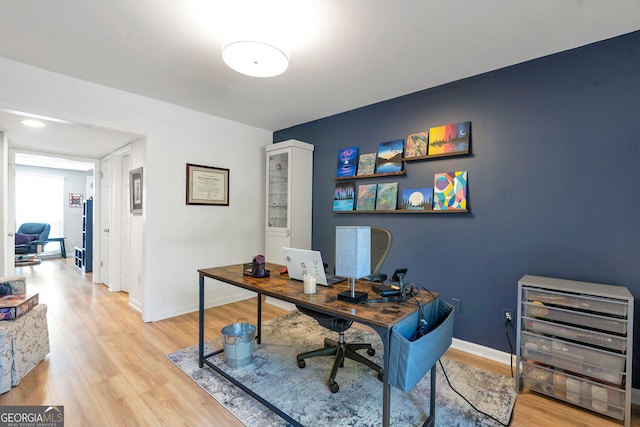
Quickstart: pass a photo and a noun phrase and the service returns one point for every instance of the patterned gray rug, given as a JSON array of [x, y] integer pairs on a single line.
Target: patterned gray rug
[[303, 393]]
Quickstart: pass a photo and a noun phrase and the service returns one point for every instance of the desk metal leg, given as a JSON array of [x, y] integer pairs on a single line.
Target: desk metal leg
[[385, 335], [201, 324], [259, 320]]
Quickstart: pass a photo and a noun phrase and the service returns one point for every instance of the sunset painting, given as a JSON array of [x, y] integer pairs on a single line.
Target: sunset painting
[[450, 139], [390, 156]]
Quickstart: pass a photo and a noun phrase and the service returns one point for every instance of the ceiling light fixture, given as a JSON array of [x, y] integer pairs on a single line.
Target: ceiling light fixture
[[33, 123], [256, 58]]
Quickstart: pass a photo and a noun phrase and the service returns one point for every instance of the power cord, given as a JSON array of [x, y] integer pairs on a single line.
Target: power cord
[[507, 322], [467, 400]]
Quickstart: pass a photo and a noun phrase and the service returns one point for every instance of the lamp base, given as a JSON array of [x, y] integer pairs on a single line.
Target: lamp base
[[356, 298]]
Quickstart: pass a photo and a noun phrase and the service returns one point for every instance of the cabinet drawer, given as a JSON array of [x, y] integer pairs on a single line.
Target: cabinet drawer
[[582, 360], [586, 336], [578, 302], [597, 397], [592, 321]]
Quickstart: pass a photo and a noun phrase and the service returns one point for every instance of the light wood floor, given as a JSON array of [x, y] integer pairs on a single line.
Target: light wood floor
[[108, 368]]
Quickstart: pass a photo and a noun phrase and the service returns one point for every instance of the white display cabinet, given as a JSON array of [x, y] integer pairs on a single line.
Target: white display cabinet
[[574, 343], [289, 197]]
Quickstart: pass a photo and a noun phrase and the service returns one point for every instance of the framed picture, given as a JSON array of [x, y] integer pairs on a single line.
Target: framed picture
[[135, 191], [344, 196], [347, 162], [366, 197], [450, 139], [450, 191], [387, 196], [390, 156], [367, 164], [75, 200], [417, 199], [207, 185]]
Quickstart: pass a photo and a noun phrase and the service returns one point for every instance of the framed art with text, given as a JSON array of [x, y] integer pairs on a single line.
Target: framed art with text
[[207, 185]]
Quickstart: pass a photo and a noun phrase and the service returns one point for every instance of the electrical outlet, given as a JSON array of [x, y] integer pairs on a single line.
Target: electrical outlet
[[457, 305], [509, 315]]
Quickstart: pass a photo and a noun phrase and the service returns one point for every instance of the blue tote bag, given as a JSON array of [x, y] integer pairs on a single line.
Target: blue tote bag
[[418, 342]]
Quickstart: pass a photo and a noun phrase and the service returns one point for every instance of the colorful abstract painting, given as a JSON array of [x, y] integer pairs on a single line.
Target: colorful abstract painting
[[387, 196], [366, 197], [417, 199], [450, 191], [344, 196], [416, 145], [450, 139], [390, 156], [367, 164], [347, 162]]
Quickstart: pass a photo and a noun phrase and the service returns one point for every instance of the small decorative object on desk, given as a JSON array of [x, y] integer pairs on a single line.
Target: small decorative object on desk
[[309, 283], [14, 306], [256, 268]]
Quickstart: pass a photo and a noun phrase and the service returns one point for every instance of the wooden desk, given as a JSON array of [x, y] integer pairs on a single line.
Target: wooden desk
[[382, 317]]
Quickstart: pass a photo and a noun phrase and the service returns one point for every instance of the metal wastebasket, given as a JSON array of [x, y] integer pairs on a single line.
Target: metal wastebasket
[[238, 339]]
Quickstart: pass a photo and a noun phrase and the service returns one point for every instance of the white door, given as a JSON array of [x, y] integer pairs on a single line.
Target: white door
[[105, 217], [7, 209], [125, 248]]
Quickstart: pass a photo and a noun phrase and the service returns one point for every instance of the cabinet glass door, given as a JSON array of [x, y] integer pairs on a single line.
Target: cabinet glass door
[[278, 190]]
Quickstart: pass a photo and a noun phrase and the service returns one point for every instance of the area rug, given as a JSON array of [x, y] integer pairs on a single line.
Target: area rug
[[303, 393]]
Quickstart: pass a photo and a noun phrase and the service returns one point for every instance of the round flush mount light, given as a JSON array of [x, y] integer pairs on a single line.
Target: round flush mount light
[[255, 58]]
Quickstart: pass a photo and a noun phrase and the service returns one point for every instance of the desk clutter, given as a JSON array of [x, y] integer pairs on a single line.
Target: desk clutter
[[24, 333]]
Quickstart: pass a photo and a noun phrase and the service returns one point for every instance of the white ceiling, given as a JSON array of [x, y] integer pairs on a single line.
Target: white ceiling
[[344, 53]]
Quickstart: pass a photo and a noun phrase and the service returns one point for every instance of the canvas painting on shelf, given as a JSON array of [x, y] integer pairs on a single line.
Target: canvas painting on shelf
[[390, 156], [450, 139], [416, 145], [366, 197], [347, 162], [417, 199], [387, 196], [344, 196], [367, 164], [450, 191]]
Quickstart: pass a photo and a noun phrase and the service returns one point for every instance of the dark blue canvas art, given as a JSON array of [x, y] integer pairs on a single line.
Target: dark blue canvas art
[[390, 156], [347, 162]]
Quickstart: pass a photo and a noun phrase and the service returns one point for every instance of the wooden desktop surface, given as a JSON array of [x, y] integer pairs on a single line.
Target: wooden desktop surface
[[381, 314]]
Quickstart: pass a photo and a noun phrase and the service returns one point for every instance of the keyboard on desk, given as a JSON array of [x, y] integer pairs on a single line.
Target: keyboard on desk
[[332, 280]]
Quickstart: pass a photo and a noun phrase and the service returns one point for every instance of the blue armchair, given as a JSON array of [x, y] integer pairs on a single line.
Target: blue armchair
[[30, 235]]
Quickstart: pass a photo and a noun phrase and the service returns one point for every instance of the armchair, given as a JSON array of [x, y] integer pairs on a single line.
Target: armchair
[[30, 235], [380, 245]]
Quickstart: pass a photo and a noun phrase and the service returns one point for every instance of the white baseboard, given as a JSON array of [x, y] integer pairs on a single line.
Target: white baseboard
[[504, 358]]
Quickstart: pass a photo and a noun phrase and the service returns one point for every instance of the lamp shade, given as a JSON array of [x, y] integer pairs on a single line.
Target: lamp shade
[[255, 58], [353, 251]]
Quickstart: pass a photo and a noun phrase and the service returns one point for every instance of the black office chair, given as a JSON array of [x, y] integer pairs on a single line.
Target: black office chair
[[380, 245]]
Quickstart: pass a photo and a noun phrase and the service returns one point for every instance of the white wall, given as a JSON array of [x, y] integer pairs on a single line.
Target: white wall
[[177, 239]]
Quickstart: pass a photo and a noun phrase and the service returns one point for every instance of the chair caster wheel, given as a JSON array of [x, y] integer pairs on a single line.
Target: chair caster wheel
[[333, 386], [380, 376], [302, 363], [371, 352]]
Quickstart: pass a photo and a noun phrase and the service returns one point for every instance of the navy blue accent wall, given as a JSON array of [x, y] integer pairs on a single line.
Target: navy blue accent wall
[[553, 178]]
